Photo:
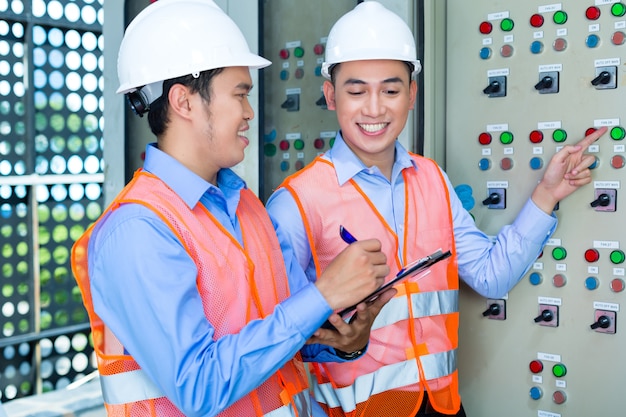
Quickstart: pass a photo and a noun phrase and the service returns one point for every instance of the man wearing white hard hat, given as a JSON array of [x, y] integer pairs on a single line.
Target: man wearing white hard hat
[[183, 275], [372, 185]]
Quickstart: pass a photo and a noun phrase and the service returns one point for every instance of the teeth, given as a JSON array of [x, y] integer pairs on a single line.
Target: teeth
[[373, 127], [243, 133]]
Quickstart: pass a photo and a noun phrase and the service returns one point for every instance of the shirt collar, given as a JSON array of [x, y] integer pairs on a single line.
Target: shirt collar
[[188, 185], [348, 165]]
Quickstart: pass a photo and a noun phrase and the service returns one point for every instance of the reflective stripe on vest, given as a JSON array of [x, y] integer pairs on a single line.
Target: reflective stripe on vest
[[303, 405], [128, 387], [425, 304], [398, 375], [132, 386]]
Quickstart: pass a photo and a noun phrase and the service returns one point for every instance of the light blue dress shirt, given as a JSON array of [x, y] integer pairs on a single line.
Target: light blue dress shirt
[[490, 265], [144, 288]]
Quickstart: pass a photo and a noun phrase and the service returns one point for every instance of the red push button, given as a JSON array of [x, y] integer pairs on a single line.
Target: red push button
[[592, 13], [485, 28], [536, 366], [283, 145], [536, 136], [484, 138], [617, 285], [506, 164], [618, 161], [284, 53], [559, 397], [536, 20], [559, 280], [592, 255]]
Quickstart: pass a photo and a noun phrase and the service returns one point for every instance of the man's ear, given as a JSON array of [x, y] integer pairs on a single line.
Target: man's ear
[[413, 93], [329, 94], [178, 97]]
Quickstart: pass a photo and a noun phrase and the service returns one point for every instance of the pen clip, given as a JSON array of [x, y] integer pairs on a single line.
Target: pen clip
[[345, 235]]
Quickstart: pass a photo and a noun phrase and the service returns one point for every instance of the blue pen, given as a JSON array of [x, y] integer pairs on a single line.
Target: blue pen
[[346, 236]]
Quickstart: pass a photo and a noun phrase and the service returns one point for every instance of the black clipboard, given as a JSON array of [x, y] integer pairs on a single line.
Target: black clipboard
[[410, 270]]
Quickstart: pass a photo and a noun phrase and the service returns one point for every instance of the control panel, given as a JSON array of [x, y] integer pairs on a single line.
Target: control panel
[[524, 79], [297, 126]]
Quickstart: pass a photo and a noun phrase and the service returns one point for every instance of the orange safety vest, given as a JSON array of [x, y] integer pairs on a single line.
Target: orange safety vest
[[413, 341], [237, 285]]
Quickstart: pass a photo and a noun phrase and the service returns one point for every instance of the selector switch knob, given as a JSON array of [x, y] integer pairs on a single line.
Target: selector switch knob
[[546, 82], [494, 198], [546, 315], [603, 200], [603, 322], [494, 87], [493, 310], [603, 78]]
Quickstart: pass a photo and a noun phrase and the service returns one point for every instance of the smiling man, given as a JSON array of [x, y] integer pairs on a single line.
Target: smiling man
[[369, 183]]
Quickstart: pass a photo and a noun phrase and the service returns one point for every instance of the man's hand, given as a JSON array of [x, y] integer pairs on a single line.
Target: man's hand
[[353, 336], [355, 273], [567, 171]]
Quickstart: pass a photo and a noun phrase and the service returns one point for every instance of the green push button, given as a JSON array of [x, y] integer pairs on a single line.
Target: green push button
[[559, 17], [507, 25], [506, 138], [617, 256], [618, 9], [618, 133], [298, 144], [559, 370], [559, 253], [559, 135]]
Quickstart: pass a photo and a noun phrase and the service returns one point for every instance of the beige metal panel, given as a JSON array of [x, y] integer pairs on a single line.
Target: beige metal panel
[[495, 354]]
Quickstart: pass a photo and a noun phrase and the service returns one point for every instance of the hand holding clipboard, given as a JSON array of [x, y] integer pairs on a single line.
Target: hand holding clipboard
[[410, 270]]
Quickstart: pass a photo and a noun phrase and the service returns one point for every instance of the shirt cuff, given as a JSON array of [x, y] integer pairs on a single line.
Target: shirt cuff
[[535, 223], [307, 309]]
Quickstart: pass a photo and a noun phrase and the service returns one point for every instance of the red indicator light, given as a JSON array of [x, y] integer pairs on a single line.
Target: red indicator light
[[284, 145], [284, 53], [590, 131], [484, 138], [318, 49], [485, 28], [536, 20], [536, 136], [592, 13], [318, 143], [536, 366], [592, 255]]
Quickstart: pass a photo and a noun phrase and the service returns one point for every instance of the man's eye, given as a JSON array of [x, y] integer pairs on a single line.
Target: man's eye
[[355, 93]]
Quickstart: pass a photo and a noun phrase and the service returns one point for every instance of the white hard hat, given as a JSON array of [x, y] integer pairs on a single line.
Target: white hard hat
[[173, 38], [370, 31]]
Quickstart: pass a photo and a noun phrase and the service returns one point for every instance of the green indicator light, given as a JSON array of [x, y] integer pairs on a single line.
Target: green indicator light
[[269, 149], [507, 25], [618, 133], [506, 137], [617, 256], [559, 253], [331, 142], [559, 17], [559, 135], [559, 370], [298, 52], [618, 9], [298, 144]]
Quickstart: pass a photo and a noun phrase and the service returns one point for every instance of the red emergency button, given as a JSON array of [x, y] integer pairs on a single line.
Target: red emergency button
[[536, 366], [485, 28], [592, 255]]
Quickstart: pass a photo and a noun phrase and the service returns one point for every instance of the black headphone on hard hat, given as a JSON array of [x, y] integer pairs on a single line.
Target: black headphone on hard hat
[[138, 102]]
